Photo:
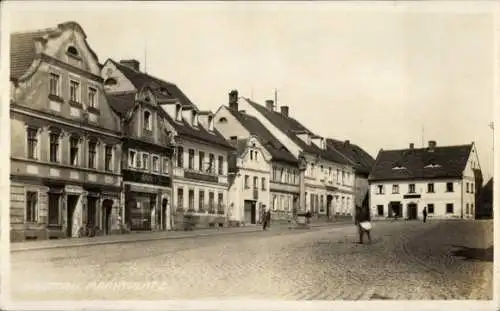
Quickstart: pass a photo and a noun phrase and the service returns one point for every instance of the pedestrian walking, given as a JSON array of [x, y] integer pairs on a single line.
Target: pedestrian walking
[[425, 214], [363, 223], [266, 216]]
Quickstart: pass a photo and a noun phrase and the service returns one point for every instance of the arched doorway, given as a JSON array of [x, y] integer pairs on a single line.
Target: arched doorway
[[329, 199], [164, 217], [107, 207], [412, 211]]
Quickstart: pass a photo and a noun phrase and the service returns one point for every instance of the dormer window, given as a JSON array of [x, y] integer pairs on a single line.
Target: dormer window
[[110, 81], [178, 115], [432, 165], [222, 120], [72, 51], [210, 123], [398, 166], [194, 119], [147, 120]]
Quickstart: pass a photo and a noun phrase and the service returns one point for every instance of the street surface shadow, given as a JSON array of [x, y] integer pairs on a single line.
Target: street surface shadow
[[474, 254], [379, 297]]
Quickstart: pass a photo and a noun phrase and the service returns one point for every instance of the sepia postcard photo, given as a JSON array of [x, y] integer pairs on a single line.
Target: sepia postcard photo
[[237, 155]]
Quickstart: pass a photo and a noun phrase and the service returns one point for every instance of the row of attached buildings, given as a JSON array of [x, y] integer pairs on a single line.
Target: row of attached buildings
[[102, 145], [108, 146]]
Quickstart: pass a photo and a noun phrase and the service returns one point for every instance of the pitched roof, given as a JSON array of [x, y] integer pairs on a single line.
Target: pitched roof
[[121, 103], [364, 161], [487, 192], [140, 79], [408, 164], [272, 144], [291, 127], [23, 51]]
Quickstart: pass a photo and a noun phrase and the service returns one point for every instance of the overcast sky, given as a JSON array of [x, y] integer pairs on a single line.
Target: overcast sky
[[373, 74]]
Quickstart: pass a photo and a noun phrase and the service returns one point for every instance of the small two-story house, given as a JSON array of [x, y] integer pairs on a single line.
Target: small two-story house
[[324, 190], [65, 138], [279, 185], [147, 146], [199, 168], [443, 179]]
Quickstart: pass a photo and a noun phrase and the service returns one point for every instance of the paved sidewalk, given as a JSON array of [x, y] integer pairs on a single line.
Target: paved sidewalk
[[149, 236]]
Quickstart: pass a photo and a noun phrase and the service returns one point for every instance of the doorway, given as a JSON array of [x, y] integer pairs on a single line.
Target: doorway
[[250, 212], [395, 209], [412, 211], [164, 204], [329, 199], [72, 200], [107, 207]]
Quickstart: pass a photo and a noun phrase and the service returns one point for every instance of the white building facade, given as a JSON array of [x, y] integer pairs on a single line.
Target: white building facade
[[443, 179]]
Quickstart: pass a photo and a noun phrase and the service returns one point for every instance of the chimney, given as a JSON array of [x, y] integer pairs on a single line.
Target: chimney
[[432, 144], [270, 104], [347, 142], [284, 111], [131, 63], [412, 145], [233, 100]]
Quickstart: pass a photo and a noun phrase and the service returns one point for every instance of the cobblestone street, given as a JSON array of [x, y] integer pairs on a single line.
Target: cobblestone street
[[407, 260]]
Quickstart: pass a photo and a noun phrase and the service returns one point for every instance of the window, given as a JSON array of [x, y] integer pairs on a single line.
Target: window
[[338, 176], [395, 188], [191, 159], [110, 81], [467, 209], [147, 121], [32, 143], [54, 147], [275, 174], [74, 150], [247, 181], [53, 212], [92, 154], [165, 165], [220, 204], [108, 158], [145, 161], [191, 199], [321, 205], [380, 210], [430, 188], [180, 157], [132, 158], [54, 84], [471, 188], [343, 177], [211, 163], [263, 184], [74, 91], [274, 202], [156, 163], [234, 138], [449, 208], [31, 206], [201, 158], [380, 189], [211, 202], [201, 205], [449, 187], [472, 209], [180, 198], [72, 50], [430, 208], [222, 120], [467, 190], [221, 165], [178, 115], [255, 182], [251, 154], [411, 188], [92, 97]]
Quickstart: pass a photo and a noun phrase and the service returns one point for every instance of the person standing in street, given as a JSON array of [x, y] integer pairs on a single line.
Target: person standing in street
[[362, 221], [425, 214], [265, 219]]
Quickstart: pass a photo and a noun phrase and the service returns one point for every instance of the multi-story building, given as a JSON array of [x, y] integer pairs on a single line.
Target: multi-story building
[[278, 178], [443, 179], [199, 172], [363, 163], [248, 180], [147, 145], [65, 139], [327, 178]]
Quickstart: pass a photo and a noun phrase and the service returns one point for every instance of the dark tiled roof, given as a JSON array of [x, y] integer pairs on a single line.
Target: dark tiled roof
[[22, 51], [140, 79], [291, 127], [121, 103], [487, 192], [272, 144], [451, 160], [363, 160]]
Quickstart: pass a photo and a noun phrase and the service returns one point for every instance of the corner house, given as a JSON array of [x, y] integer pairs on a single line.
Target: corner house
[[445, 179]]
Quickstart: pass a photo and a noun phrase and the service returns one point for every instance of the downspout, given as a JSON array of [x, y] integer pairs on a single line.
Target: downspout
[[462, 198]]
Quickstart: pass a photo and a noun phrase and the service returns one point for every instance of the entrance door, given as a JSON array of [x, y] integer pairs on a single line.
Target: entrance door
[[412, 211], [329, 199], [107, 206], [395, 209], [164, 204], [72, 200], [249, 212], [91, 212]]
